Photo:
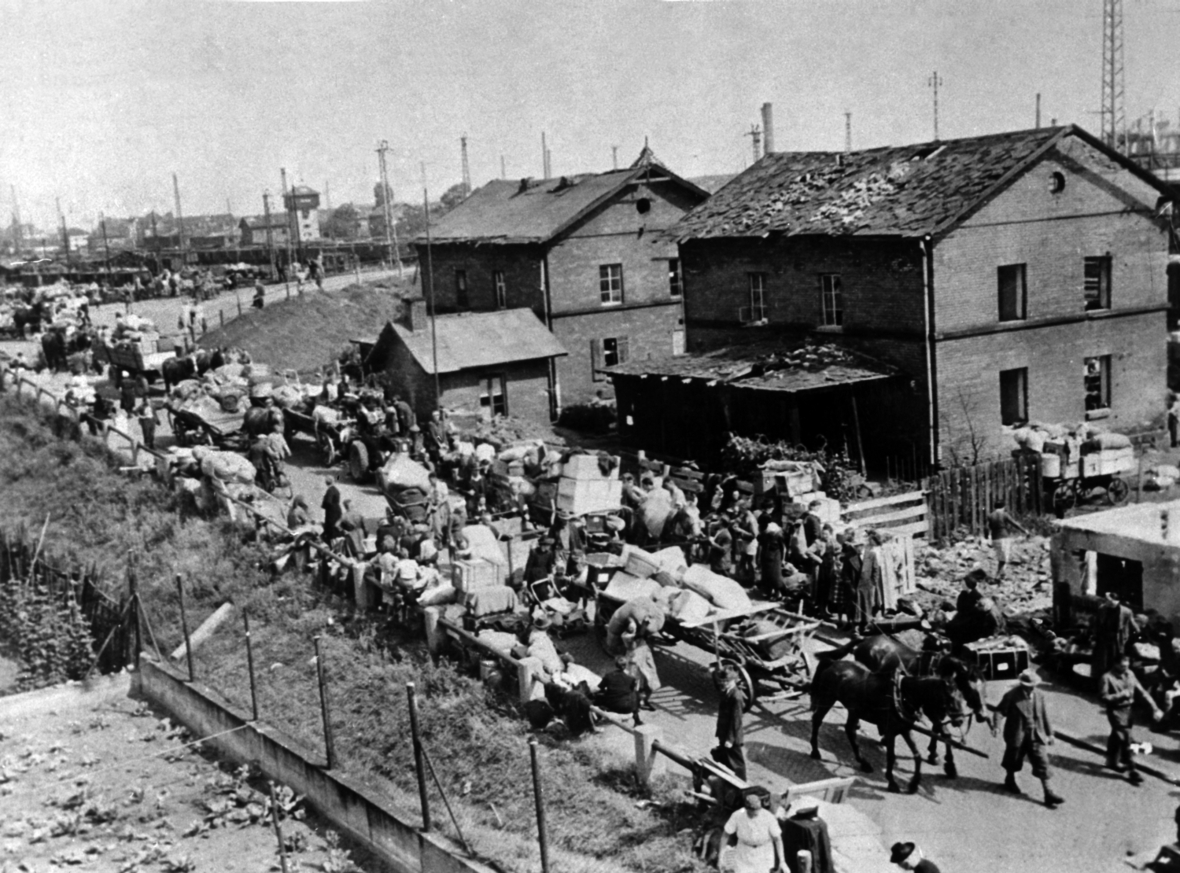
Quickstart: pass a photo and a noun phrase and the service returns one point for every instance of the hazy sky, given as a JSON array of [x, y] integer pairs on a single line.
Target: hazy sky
[[101, 100]]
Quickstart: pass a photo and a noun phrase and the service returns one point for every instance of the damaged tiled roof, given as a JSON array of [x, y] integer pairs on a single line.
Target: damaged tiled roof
[[471, 340], [907, 191], [534, 211], [772, 365]]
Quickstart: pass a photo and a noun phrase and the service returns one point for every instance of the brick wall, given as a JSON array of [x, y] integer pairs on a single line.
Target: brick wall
[[520, 264], [526, 386], [969, 381], [1102, 209], [649, 334], [882, 282]]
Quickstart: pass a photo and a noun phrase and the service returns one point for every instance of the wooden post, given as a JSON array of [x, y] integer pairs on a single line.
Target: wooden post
[[1139, 482], [188, 649], [329, 745], [221, 316], [542, 836], [860, 449], [274, 816], [416, 737], [133, 585], [250, 667]]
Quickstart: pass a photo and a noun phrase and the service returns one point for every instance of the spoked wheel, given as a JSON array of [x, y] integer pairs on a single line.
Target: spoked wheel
[[1117, 490], [749, 690], [1065, 494]]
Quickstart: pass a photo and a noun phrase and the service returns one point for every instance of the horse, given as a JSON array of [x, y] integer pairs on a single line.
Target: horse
[[262, 420], [892, 702], [30, 318], [177, 370], [659, 520], [885, 653]]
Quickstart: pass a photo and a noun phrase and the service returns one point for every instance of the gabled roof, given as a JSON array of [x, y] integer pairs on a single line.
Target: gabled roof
[[772, 365], [908, 191], [470, 340], [531, 211]]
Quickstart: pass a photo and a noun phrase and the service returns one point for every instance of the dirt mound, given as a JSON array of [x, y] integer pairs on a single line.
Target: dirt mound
[[304, 333]]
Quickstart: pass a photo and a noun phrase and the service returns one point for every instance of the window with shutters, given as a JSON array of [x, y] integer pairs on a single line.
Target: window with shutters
[[1096, 282], [610, 284], [831, 292], [1012, 289], [1014, 396], [461, 299], [675, 283], [493, 396], [608, 353], [501, 288], [1097, 382]]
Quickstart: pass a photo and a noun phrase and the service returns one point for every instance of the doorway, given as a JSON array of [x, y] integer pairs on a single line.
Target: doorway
[[1123, 577]]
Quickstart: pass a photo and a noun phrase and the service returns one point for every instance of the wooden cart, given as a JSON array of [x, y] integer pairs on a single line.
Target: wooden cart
[[725, 634], [1077, 477]]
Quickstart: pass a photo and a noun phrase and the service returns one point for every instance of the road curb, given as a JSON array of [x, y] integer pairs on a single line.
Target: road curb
[[1150, 769]]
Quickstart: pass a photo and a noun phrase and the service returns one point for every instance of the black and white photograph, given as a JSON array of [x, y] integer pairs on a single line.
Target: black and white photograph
[[593, 436]]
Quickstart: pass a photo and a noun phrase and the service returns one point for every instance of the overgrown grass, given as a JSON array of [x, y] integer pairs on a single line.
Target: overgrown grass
[[475, 740]]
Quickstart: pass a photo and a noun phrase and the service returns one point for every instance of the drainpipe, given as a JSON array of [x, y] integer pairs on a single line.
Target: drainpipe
[[554, 387], [928, 317]]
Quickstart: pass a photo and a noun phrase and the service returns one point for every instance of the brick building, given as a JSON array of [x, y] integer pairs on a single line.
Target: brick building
[[1013, 277], [589, 254], [488, 363]]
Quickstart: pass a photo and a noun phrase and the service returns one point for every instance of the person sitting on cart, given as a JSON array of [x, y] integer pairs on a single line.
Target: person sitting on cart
[[619, 690], [541, 562]]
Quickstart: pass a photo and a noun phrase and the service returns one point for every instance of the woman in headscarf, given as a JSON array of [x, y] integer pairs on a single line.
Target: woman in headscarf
[[755, 836]]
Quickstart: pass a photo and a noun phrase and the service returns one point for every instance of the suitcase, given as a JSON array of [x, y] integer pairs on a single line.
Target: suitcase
[[1003, 661]]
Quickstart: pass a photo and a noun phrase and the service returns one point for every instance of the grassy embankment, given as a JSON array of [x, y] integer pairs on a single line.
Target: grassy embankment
[[477, 744]]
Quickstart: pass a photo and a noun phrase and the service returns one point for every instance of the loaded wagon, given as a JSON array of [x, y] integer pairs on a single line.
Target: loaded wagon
[[1071, 477], [132, 358], [205, 422]]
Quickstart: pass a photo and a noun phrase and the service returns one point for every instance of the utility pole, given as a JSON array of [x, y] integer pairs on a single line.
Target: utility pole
[[327, 196], [847, 133], [544, 157], [65, 236], [391, 243], [270, 241], [1038, 110], [614, 150], [1114, 117], [755, 135], [466, 167], [18, 233], [288, 202], [934, 81], [429, 277], [503, 168], [102, 220], [179, 219]]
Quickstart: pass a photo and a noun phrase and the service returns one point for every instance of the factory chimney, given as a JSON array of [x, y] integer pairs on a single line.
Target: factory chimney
[[767, 128]]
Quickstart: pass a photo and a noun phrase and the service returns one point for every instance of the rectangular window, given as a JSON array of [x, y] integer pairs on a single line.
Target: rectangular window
[[461, 299], [493, 397], [1014, 396], [610, 284], [831, 290], [1096, 283], [756, 311], [607, 353], [675, 284], [1011, 283], [1097, 384], [501, 289]]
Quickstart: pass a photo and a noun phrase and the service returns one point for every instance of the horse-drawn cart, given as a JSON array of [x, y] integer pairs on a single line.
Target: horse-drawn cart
[[764, 644], [133, 359], [205, 422], [1069, 479]]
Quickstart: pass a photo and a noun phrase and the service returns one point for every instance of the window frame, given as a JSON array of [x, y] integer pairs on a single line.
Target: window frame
[[1020, 303], [488, 396], [756, 296], [1098, 384], [675, 279], [462, 291], [1021, 377], [608, 276], [831, 288], [500, 289], [1098, 300]]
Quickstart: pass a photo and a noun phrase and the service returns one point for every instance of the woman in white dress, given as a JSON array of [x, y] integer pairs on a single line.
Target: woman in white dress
[[755, 836]]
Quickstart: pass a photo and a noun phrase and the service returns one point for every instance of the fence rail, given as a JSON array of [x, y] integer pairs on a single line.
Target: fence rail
[[963, 497], [898, 514]]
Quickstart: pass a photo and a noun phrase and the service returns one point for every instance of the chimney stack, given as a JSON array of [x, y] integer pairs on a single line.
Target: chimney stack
[[414, 314], [767, 128]]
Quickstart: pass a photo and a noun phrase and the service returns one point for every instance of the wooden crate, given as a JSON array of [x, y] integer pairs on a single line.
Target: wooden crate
[[473, 574], [1000, 662]]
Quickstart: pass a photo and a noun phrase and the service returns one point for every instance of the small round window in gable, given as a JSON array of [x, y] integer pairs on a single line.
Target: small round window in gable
[[1056, 182], [643, 204]]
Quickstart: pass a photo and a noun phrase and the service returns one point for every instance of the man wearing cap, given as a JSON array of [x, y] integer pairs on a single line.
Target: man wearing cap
[[1027, 733], [908, 856], [730, 738], [1119, 689]]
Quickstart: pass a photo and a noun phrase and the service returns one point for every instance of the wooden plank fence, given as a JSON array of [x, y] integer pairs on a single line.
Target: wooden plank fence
[[898, 514], [961, 498]]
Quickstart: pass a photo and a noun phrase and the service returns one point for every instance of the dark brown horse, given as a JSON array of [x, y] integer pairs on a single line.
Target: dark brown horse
[[885, 653], [891, 701]]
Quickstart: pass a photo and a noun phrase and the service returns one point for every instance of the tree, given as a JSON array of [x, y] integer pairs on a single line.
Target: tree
[[342, 223], [451, 198]]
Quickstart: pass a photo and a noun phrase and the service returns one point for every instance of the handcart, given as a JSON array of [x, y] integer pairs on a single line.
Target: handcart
[[1069, 479]]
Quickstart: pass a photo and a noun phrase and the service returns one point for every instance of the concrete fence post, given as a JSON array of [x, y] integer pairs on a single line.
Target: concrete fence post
[[648, 762]]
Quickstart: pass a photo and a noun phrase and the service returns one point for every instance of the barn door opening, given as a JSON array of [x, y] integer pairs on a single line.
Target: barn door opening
[[1122, 576]]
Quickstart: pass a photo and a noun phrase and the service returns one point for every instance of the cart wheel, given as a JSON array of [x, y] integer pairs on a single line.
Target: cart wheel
[[358, 462], [1117, 490], [1065, 494], [863, 492], [749, 690]]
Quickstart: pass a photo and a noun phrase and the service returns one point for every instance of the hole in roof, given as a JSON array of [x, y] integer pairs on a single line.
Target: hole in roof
[[643, 205], [1056, 182], [927, 152]]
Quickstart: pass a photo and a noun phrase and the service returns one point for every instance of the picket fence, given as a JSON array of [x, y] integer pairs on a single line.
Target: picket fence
[[962, 497]]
